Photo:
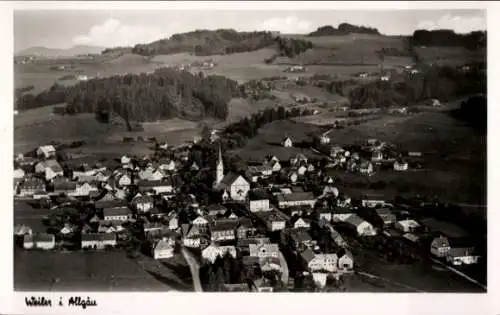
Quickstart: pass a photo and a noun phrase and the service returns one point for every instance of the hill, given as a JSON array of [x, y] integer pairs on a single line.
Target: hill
[[57, 52], [343, 29], [207, 42], [448, 38]]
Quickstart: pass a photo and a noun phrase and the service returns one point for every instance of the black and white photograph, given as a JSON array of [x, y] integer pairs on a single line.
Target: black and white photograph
[[278, 151]]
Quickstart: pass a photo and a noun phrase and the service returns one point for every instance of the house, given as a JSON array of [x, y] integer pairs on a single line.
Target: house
[[245, 228], [270, 264], [256, 172], [117, 214], [164, 248], [345, 261], [18, 173], [168, 165], [64, 186], [362, 227], [200, 221], [321, 262], [192, 237], [31, 186], [440, 246], [264, 250], [301, 238], [259, 201], [330, 191], [296, 199], [462, 256], [293, 176], [236, 186], [400, 165], [124, 180], [407, 226], [275, 165], [274, 220], [102, 176], [98, 240], [40, 241], [287, 142], [157, 186], [50, 168], [366, 167], [147, 174], [211, 252], [372, 201], [84, 189], [377, 156], [341, 214], [325, 214], [125, 160], [143, 203], [21, 230], [195, 167], [301, 170], [110, 227], [223, 230], [67, 229], [302, 223], [385, 215], [298, 159], [46, 151]]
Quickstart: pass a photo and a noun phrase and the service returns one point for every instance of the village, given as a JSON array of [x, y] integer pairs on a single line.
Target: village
[[274, 231]]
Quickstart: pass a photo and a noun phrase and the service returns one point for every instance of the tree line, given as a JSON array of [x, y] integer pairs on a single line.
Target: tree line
[[445, 38], [143, 97], [343, 29]]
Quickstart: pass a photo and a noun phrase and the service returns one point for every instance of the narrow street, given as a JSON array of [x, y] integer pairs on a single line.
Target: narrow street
[[194, 267]]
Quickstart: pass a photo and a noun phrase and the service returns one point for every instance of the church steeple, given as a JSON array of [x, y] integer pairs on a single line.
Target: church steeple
[[219, 175]]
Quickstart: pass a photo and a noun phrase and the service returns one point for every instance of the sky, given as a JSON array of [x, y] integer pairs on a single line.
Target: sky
[[111, 28]]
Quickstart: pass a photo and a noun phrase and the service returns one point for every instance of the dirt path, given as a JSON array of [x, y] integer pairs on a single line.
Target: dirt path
[[194, 267]]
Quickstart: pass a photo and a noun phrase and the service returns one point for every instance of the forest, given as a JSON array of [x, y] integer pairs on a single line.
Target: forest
[[145, 97], [343, 29], [473, 40]]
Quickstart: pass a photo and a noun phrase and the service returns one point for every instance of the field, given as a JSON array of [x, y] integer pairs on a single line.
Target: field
[[452, 56], [36, 127], [25, 214], [91, 271], [268, 141]]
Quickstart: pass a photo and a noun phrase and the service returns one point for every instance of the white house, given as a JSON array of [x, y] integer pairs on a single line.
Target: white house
[[400, 166], [296, 199], [287, 142], [302, 223], [164, 248], [46, 151], [84, 189], [323, 262], [117, 214], [212, 251], [406, 226], [264, 250], [18, 173], [41, 241], [371, 201], [98, 240], [124, 180], [236, 186], [361, 226], [440, 246]]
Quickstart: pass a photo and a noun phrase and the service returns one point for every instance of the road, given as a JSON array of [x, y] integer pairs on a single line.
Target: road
[[387, 280], [284, 269], [194, 266], [463, 275]]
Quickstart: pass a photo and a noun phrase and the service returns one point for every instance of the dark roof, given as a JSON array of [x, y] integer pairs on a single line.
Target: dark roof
[[300, 235], [342, 210], [224, 225], [39, 237], [154, 183], [98, 237], [116, 211], [33, 183], [245, 222], [298, 196], [110, 204], [63, 184], [307, 255], [143, 199], [383, 211], [229, 179], [258, 195]]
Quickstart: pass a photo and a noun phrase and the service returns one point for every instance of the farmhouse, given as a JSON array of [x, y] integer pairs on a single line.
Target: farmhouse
[[385, 215], [300, 238], [287, 142], [64, 186], [245, 228], [46, 151], [372, 200], [223, 230], [302, 223], [400, 165], [85, 189], [143, 203], [31, 186], [98, 240], [440, 246], [18, 173], [361, 226], [164, 248], [156, 186], [41, 241], [51, 168], [295, 199], [259, 201], [117, 214], [366, 168], [407, 226]]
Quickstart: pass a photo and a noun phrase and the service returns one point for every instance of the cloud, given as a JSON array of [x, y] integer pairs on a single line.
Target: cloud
[[290, 24], [460, 24], [113, 33]]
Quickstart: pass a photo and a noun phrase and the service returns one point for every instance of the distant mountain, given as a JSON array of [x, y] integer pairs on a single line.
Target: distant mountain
[[343, 29], [57, 52]]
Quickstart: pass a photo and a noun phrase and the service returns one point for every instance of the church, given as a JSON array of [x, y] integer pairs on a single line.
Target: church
[[235, 186]]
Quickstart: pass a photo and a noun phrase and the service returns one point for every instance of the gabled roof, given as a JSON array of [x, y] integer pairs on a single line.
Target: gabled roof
[[224, 225], [117, 211], [307, 255], [298, 196], [63, 184], [143, 199], [229, 179], [39, 237], [98, 237], [354, 220]]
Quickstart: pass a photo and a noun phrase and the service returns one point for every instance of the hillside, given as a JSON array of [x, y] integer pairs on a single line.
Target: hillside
[[57, 52], [207, 42]]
